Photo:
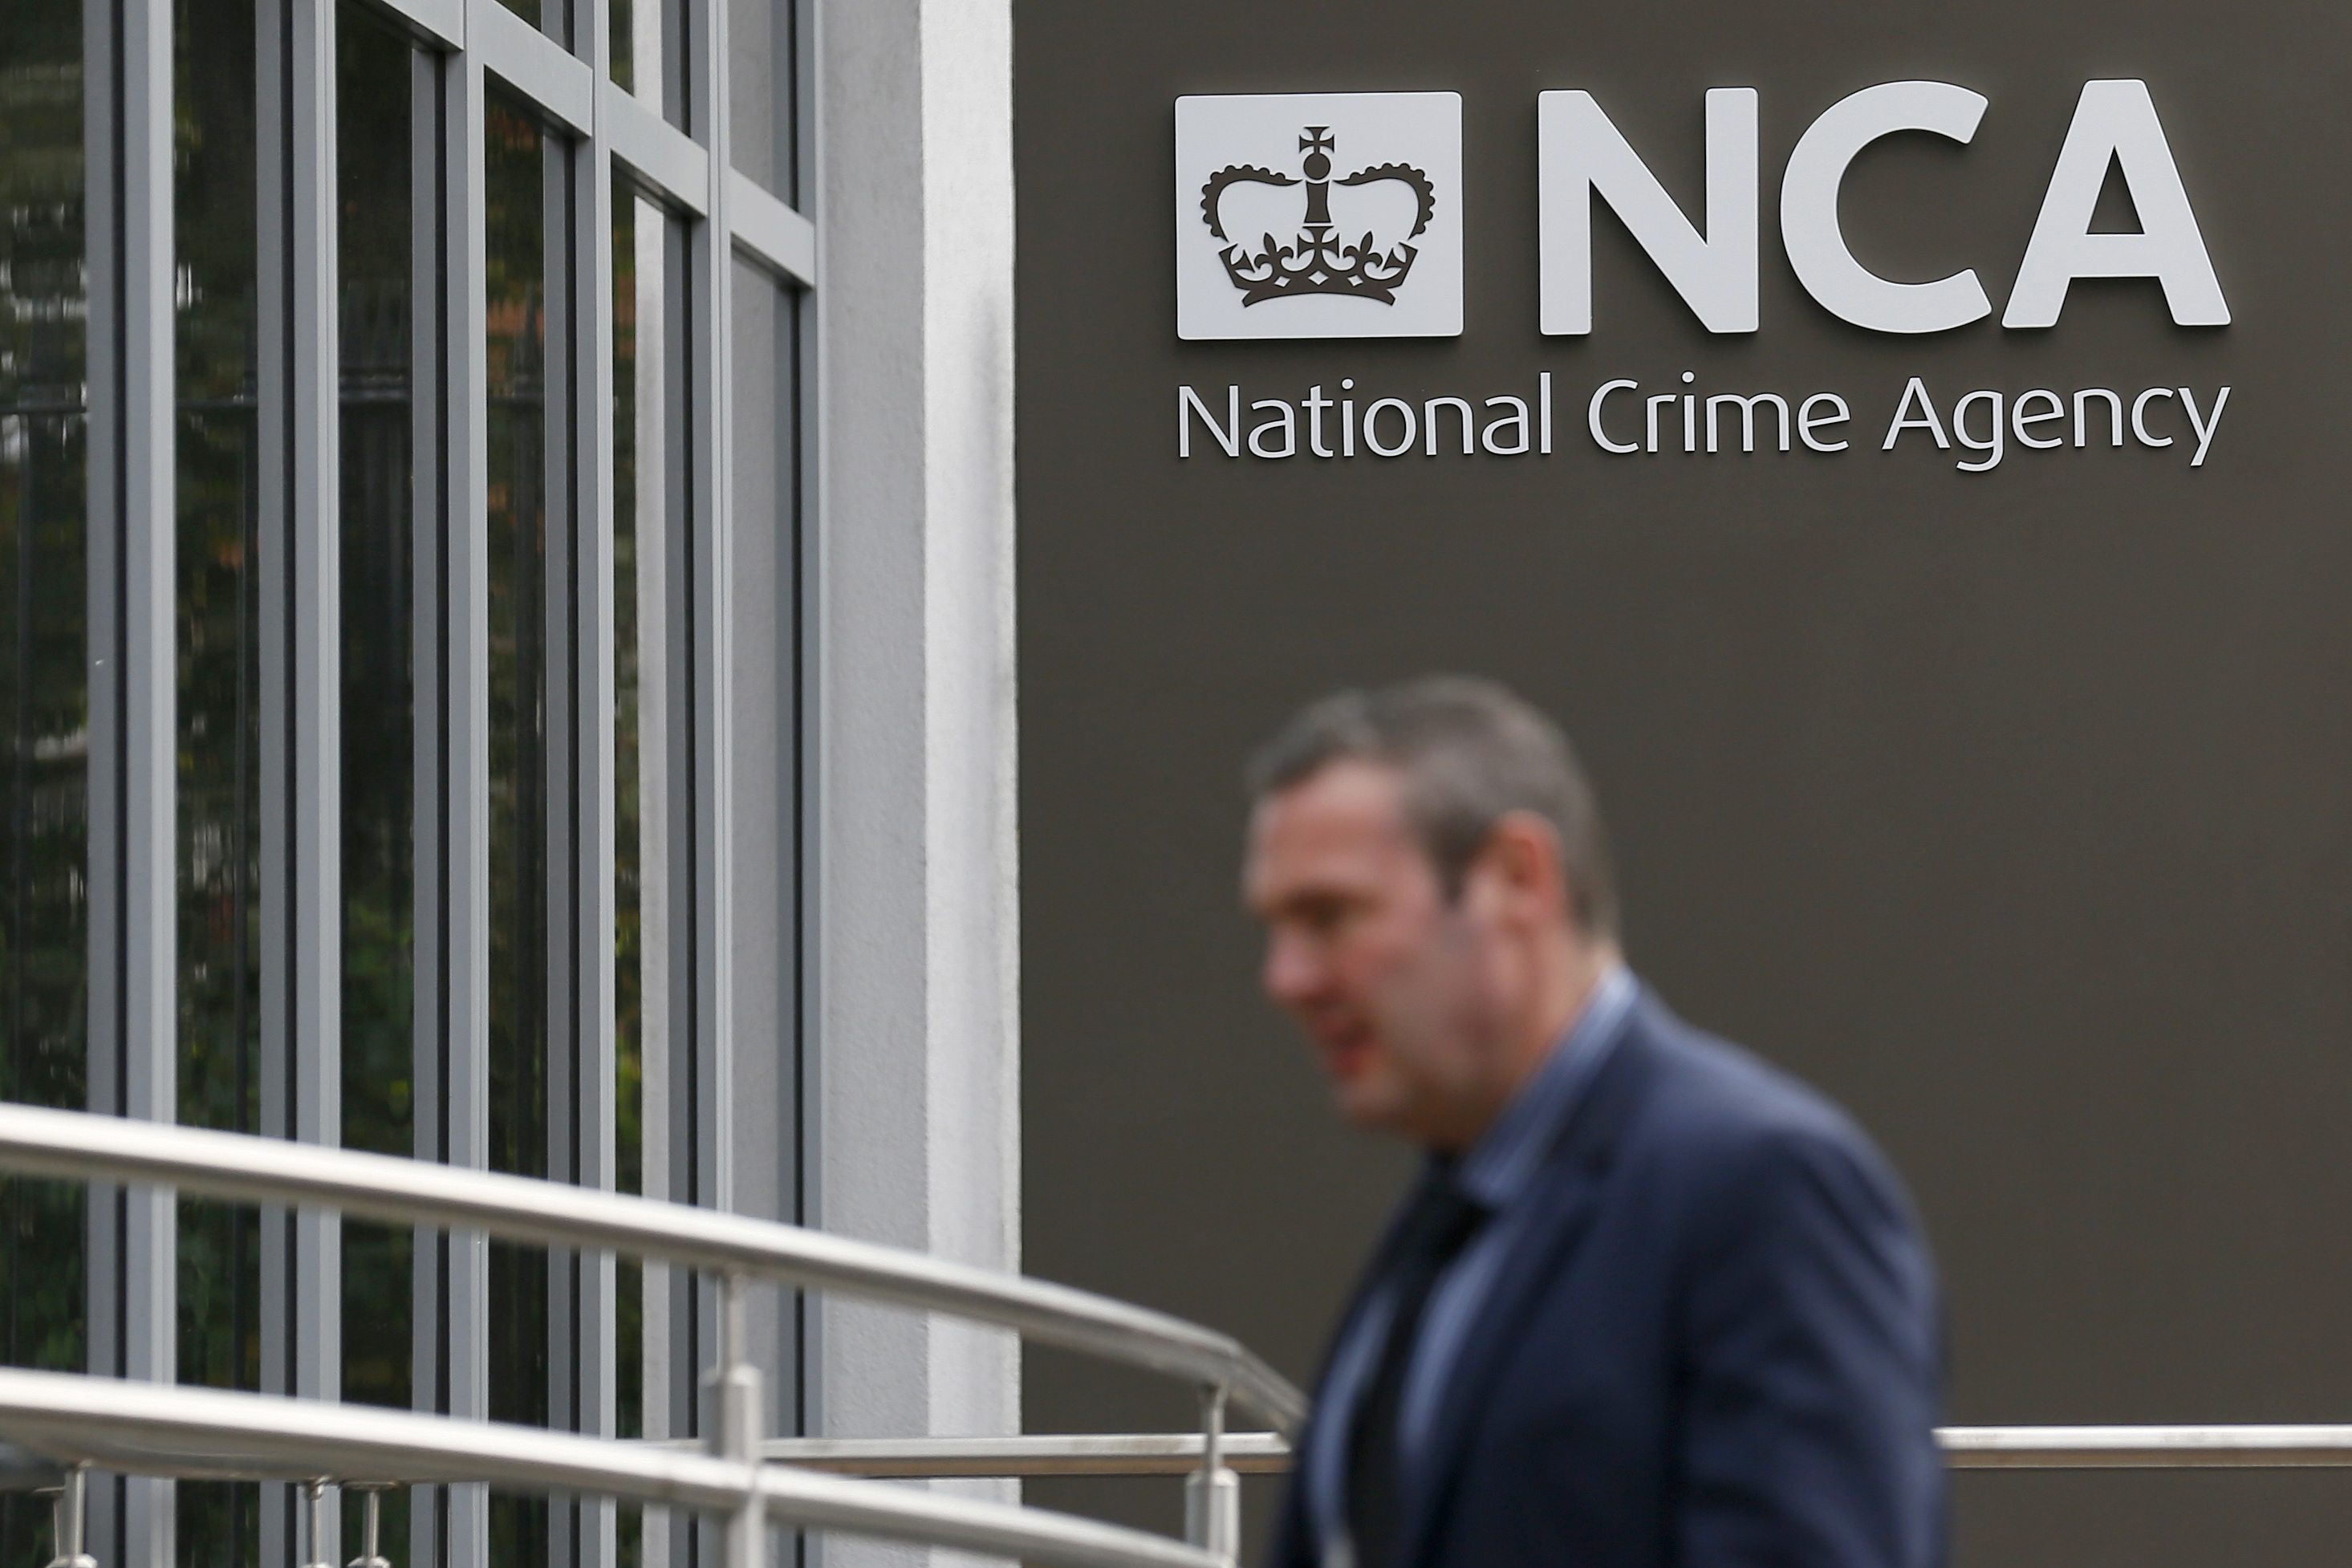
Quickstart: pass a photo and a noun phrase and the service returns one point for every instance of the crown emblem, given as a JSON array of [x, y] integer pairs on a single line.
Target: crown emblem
[[1318, 259]]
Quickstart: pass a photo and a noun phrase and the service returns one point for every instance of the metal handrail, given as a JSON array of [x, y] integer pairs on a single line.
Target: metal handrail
[[1104, 1454], [144, 1428], [1029, 1455], [1264, 1453], [2269, 1447], [78, 1145], [2239, 1447]]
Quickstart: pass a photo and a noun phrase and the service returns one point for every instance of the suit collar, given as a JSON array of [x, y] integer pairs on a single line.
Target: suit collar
[[1499, 1168]]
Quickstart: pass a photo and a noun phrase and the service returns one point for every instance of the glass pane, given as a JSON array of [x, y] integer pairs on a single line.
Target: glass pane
[[565, 21], [516, 190], [375, 257], [624, 28], [764, 591], [637, 486], [631, 220], [650, 267], [44, 697], [763, 101], [649, 53], [522, 165], [219, 653], [218, 658], [218, 644]]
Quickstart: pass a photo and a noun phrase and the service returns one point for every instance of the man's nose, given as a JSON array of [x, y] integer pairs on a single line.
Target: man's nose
[[1294, 971]]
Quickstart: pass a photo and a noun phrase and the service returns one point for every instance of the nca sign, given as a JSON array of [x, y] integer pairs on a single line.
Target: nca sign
[[1584, 155], [1364, 238]]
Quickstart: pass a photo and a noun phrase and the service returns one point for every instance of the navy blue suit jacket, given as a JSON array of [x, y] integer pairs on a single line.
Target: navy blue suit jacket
[[1719, 1349]]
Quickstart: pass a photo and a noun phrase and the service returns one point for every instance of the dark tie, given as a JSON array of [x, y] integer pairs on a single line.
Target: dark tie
[[1440, 1223]]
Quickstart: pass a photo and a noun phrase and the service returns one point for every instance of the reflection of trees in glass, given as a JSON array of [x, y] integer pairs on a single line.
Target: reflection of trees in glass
[[372, 176], [628, 921], [218, 739], [625, 37], [218, 636], [517, 231], [44, 697], [374, 256], [628, 925]]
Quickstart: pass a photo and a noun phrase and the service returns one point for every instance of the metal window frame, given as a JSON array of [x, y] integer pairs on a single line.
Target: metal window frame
[[132, 1329], [673, 165], [683, 163], [299, 567]]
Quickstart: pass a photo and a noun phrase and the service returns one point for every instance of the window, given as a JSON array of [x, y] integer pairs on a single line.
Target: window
[[393, 406]]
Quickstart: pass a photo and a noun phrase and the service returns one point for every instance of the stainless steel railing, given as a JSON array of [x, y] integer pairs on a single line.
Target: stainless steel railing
[[82, 1147], [1265, 1453], [148, 1430], [2280, 1448], [76, 1422], [194, 1433]]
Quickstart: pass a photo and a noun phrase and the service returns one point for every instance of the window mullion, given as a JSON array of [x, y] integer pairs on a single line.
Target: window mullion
[[709, 390], [703, 1038], [133, 997], [580, 588], [450, 1525], [592, 586], [467, 906], [429, 76], [299, 574], [560, 631], [593, 770]]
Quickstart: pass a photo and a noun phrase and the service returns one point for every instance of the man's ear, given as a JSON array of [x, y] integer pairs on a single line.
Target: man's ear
[[1520, 863]]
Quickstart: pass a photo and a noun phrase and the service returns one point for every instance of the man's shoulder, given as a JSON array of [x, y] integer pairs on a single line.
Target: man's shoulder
[[1712, 1106]]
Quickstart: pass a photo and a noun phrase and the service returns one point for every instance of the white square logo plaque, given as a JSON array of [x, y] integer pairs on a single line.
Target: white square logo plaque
[[1318, 215]]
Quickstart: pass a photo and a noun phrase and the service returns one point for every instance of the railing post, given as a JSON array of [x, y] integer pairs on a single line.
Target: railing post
[[735, 1421], [66, 1513], [370, 1554], [315, 1494], [1212, 1494]]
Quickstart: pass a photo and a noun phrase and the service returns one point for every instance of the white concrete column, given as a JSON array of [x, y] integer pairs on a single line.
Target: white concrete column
[[918, 1131]]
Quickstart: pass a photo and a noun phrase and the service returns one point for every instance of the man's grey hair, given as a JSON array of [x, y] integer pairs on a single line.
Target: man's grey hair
[[1468, 753]]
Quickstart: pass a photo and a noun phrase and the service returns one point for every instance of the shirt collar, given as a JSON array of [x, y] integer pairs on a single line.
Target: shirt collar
[[1500, 1166]]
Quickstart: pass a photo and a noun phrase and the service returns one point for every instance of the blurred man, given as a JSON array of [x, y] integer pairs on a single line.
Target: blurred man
[[1651, 1302]]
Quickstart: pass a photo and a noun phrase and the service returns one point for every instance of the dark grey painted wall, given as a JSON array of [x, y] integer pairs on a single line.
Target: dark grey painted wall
[[2011, 808]]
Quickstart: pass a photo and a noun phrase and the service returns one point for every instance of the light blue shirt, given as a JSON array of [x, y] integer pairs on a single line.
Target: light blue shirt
[[1496, 1171]]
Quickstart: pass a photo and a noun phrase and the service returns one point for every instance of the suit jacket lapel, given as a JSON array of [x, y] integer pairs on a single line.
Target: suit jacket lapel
[[1318, 1431], [1565, 1194]]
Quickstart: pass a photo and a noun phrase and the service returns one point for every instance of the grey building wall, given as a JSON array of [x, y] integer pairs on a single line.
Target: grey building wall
[[2007, 807]]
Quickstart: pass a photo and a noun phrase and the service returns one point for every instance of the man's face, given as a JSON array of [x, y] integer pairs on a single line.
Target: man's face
[[1394, 985]]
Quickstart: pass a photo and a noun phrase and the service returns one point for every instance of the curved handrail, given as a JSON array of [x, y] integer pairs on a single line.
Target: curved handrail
[[79, 1145], [146, 1429]]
